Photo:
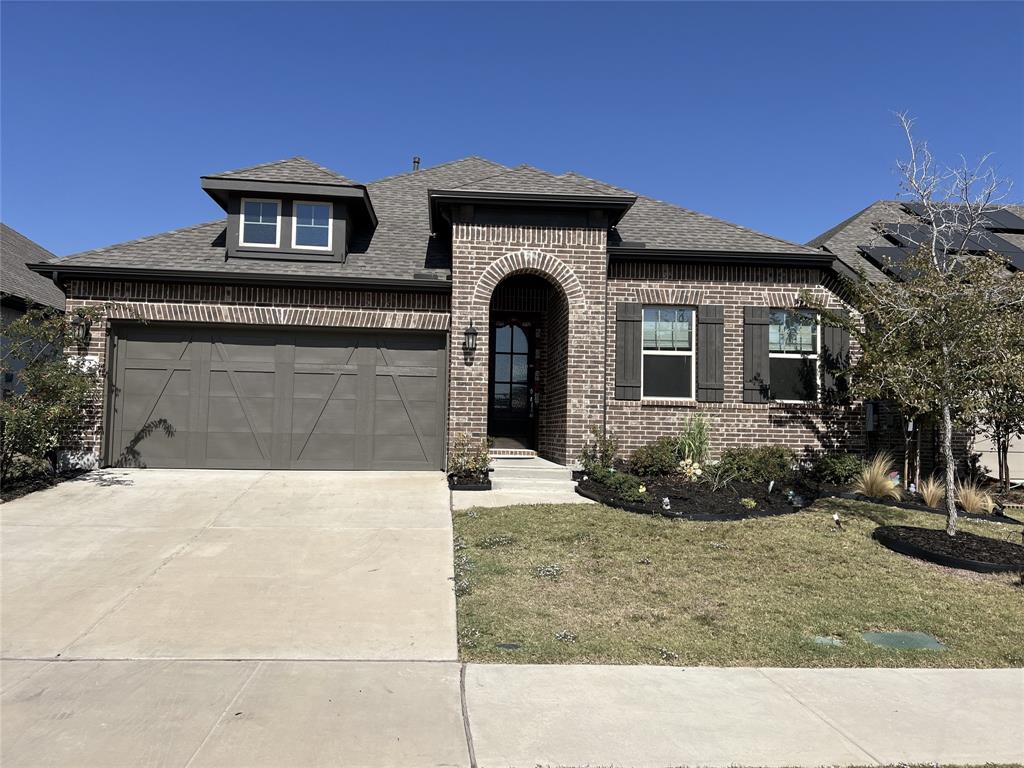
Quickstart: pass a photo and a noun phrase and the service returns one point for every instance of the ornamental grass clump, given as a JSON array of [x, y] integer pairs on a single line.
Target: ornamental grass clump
[[973, 500], [875, 481], [932, 492]]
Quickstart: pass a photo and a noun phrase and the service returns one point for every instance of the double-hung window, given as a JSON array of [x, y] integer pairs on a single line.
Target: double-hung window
[[312, 226], [261, 223], [794, 341], [668, 366]]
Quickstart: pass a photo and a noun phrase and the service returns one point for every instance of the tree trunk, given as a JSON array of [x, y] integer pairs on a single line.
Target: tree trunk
[[917, 456], [1004, 462], [947, 453]]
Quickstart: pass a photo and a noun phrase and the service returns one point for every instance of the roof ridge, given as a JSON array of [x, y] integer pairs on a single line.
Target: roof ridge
[[145, 239], [819, 241], [257, 165], [394, 176], [282, 161]]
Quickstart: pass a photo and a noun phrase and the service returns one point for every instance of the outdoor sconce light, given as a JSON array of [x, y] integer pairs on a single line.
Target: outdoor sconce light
[[470, 343], [80, 325]]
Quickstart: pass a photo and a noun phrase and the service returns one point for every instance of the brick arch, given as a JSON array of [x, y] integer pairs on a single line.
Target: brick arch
[[529, 262]]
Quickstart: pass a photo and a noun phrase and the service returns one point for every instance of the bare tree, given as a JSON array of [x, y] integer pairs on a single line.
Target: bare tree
[[931, 335]]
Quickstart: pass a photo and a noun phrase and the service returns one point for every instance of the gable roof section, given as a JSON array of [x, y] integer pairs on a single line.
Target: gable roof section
[[18, 280], [297, 170], [525, 179]]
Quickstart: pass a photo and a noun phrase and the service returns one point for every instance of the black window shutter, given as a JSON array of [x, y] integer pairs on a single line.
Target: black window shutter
[[835, 359], [628, 350], [711, 353], [756, 370]]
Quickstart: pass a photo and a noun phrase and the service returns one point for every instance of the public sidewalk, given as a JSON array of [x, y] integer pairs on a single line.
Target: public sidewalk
[[252, 713]]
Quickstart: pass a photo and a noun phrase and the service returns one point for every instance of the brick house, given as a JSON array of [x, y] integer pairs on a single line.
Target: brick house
[[323, 323]]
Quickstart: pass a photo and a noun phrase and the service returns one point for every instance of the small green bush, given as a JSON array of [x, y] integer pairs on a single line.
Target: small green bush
[[657, 458], [759, 465], [599, 451], [837, 468], [625, 486]]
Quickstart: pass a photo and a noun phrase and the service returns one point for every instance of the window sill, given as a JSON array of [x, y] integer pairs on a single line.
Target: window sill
[[655, 402]]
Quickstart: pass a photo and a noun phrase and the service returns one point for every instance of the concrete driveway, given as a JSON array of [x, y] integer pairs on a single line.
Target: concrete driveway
[[177, 564]]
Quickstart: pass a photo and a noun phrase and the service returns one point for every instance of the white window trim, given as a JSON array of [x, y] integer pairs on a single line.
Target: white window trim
[[330, 226], [691, 352], [241, 223], [816, 355]]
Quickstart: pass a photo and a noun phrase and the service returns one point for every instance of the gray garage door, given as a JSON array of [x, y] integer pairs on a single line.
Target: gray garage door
[[276, 399]]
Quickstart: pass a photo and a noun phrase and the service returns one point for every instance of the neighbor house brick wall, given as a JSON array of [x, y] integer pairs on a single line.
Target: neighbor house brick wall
[[245, 306], [572, 258], [733, 422]]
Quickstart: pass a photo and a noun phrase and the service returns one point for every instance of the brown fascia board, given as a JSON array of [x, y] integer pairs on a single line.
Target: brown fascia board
[[617, 203], [58, 273], [218, 189], [705, 256]]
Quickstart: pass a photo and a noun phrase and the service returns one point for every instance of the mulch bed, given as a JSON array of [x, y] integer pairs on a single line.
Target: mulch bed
[[457, 483], [965, 550], [919, 507], [693, 501]]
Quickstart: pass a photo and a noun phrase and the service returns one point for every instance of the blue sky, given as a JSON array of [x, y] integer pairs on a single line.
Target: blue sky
[[777, 116]]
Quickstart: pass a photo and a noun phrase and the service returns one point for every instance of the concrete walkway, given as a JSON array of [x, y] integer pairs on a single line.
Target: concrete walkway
[[312, 713]]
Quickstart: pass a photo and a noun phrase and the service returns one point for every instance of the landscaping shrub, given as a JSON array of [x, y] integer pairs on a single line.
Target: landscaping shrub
[[973, 499], [625, 486], [932, 491], [837, 468], [654, 459], [717, 477], [46, 412], [694, 440], [599, 451], [759, 465], [468, 458], [875, 481]]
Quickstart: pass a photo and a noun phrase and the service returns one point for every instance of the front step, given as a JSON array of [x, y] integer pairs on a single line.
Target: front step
[[537, 469]]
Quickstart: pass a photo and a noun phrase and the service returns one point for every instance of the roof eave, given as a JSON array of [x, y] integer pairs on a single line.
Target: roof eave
[[58, 274], [617, 205], [705, 256]]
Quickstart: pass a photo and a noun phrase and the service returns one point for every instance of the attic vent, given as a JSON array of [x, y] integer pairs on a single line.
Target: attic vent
[[416, 163]]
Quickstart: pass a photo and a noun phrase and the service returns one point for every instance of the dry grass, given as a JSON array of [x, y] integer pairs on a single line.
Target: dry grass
[[874, 481], [973, 499], [634, 589], [933, 492]]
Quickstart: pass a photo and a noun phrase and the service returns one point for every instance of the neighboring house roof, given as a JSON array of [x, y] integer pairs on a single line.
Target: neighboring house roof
[[19, 281], [299, 170], [401, 246], [849, 240]]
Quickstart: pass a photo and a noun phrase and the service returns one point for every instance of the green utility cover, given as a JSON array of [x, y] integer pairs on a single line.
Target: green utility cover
[[904, 641]]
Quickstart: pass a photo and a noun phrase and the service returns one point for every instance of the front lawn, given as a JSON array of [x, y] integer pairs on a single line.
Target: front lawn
[[591, 584]]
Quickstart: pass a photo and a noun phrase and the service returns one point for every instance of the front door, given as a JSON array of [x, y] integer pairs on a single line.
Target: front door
[[511, 414]]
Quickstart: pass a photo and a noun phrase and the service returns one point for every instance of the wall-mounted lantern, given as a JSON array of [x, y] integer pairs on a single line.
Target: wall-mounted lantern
[[470, 343], [80, 325]]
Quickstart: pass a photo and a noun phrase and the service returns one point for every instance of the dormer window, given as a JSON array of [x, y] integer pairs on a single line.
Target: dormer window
[[261, 223], [311, 226]]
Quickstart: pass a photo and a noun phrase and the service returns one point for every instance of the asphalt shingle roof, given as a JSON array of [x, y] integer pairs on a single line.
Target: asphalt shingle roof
[[293, 169], [401, 247], [529, 180], [863, 230], [16, 279]]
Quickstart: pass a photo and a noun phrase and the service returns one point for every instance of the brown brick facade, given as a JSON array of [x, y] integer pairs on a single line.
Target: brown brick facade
[[576, 333], [734, 423], [243, 305], [571, 258]]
